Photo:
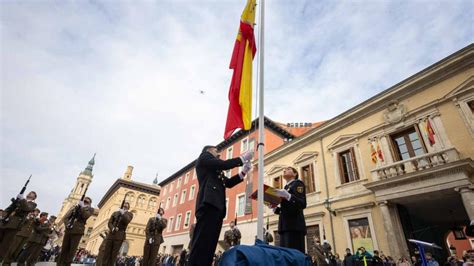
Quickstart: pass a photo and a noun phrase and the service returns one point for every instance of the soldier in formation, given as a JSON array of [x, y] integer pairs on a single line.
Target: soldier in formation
[[75, 222], [154, 237]]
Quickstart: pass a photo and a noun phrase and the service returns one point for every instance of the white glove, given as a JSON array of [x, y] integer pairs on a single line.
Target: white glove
[[158, 216], [20, 196], [122, 211], [247, 167], [247, 156], [284, 194], [150, 240], [81, 203]]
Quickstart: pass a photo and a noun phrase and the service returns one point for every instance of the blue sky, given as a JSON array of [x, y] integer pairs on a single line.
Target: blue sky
[[122, 78]]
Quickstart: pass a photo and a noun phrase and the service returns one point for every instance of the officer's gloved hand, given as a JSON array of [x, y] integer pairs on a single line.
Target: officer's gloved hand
[[122, 211], [245, 170], [284, 194], [158, 216], [247, 156], [20, 196]]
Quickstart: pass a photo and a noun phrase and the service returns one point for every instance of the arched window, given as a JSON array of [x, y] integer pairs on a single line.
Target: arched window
[[130, 196], [141, 200], [152, 203]]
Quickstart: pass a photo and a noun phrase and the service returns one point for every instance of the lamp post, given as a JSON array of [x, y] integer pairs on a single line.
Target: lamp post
[[327, 204]]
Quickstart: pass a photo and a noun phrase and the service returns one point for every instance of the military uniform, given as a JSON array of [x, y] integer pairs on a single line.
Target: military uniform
[[267, 238], [19, 241], [100, 256], [41, 232], [291, 223], [115, 238], [73, 233], [232, 237], [210, 205], [154, 237], [9, 228]]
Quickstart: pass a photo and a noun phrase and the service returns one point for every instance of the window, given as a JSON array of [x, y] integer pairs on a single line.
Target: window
[[178, 222], [171, 187], [240, 205], [308, 177], [168, 200], [183, 196], [175, 199], [470, 104], [170, 225], [89, 231], [179, 182], [191, 192], [129, 198], [186, 178], [141, 201], [407, 144], [194, 174], [244, 145], [277, 182], [152, 203], [226, 208], [230, 151], [187, 219], [348, 166], [252, 145], [164, 191]]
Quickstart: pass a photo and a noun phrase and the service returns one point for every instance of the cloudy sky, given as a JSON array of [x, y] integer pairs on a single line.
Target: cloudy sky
[[122, 78]]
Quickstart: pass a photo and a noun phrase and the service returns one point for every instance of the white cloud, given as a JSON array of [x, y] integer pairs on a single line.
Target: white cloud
[[122, 79]]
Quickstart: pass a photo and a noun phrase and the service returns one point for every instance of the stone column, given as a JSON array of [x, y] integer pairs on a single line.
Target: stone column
[[467, 195], [393, 231]]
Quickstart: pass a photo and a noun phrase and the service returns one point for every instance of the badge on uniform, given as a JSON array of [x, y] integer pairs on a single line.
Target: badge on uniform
[[300, 189]]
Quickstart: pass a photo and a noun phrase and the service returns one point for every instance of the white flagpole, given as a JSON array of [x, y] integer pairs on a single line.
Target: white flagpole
[[261, 125]]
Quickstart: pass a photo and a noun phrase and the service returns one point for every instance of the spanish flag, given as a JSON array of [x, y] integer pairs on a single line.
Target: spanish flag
[[240, 91], [430, 131]]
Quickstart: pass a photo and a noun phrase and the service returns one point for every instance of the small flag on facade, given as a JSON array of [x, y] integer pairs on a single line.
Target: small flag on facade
[[373, 153], [430, 131], [379, 153]]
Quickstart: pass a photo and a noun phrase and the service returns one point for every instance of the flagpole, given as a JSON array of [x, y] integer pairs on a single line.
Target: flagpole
[[261, 124]]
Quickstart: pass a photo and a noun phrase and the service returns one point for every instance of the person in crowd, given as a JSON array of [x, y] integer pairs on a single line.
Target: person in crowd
[[430, 261]]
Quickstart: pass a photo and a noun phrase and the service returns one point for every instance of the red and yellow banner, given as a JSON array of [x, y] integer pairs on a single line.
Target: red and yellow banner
[[240, 91]]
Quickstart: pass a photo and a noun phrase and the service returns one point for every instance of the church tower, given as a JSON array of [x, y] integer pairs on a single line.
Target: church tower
[[82, 183]]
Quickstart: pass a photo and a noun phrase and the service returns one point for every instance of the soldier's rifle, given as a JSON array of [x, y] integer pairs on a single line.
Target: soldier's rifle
[[11, 209], [76, 212], [119, 218]]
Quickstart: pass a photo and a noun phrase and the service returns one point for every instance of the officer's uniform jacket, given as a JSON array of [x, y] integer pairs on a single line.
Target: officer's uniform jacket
[[213, 182], [79, 224], [154, 230], [291, 212], [18, 216], [123, 220]]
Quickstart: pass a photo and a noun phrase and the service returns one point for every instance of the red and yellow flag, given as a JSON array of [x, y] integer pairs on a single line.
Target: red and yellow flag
[[430, 132], [373, 153], [379, 152], [240, 91]]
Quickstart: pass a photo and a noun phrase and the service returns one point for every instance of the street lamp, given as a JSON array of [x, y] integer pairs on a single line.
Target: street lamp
[[327, 204]]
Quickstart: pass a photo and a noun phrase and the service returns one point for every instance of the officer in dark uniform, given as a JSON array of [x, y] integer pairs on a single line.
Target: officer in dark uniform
[[21, 238], [75, 226], [291, 223], [154, 237], [9, 226], [210, 204], [118, 223]]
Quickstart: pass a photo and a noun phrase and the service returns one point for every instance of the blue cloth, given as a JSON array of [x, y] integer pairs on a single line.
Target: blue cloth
[[263, 254]]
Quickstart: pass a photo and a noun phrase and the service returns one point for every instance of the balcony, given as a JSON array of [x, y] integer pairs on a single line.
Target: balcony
[[415, 164]]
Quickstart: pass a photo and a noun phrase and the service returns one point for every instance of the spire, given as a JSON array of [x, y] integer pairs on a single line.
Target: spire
[[155, 181], [88, 170]]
